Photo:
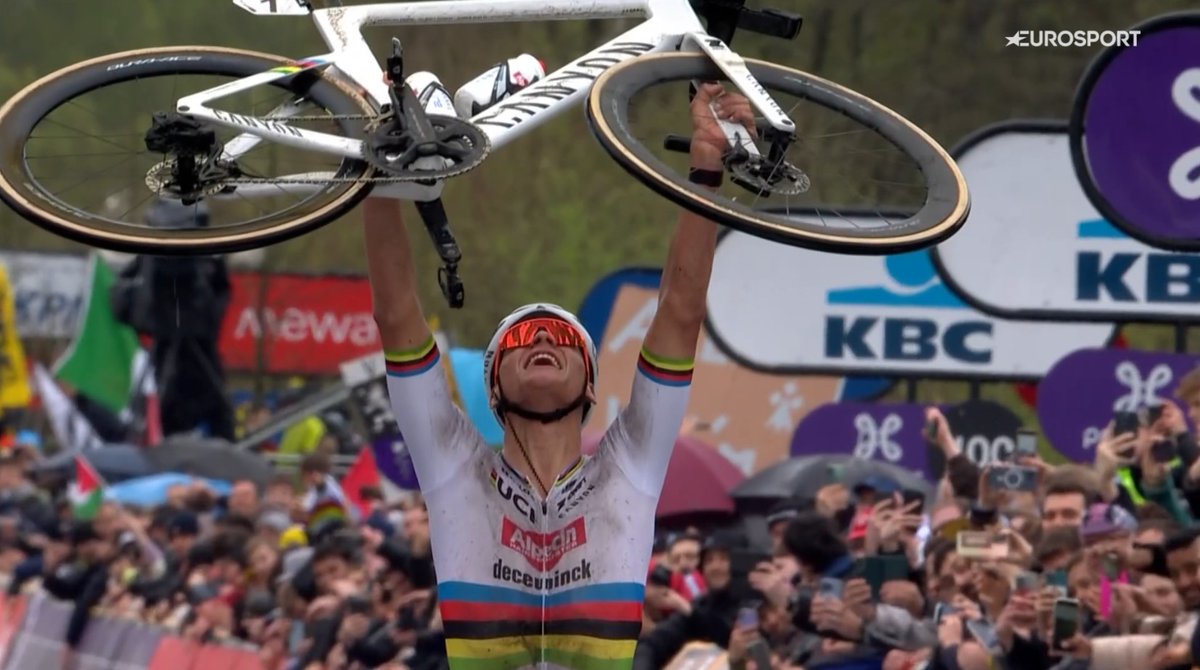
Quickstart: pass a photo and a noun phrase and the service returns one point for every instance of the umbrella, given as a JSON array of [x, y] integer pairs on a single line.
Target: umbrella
[[699, 478], [114, 463], [215, 459], [152, 490], [803, 477]]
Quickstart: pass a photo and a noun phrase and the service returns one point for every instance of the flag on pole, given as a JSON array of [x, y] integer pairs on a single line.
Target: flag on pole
[[362, 473], [87, 491], [71, 428], [100, 362]]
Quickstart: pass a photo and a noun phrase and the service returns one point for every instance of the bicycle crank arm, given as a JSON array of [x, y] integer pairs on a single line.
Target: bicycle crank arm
[[433, 215]]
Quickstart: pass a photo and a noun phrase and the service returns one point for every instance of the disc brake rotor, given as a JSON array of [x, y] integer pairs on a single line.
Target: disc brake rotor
[[762, 177]]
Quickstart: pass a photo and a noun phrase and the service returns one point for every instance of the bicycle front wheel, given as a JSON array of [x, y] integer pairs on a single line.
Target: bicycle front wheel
[[867, 181], [75, 156]]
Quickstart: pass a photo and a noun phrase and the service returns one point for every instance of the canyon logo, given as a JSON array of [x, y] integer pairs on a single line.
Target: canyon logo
[[543, 550]]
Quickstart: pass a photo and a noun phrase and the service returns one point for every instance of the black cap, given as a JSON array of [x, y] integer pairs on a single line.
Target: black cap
[[83, 531], [258, 603], [183, 523]]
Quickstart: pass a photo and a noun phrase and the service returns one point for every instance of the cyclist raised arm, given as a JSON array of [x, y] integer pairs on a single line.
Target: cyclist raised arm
[[438, 436], [648, 426]]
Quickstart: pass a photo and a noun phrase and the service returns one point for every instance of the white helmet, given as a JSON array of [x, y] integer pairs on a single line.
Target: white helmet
[[523, 312]]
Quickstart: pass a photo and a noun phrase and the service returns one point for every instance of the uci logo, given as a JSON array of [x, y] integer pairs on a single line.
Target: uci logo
[[877, 437], [520, 502], [914, 288]]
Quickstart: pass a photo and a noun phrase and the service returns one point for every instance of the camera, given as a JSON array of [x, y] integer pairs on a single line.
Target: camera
[[660, 575], [1013, 478]]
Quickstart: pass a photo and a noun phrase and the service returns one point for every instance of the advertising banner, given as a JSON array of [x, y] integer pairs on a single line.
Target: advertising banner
[[893, 433], [49, 291], [1036, 248], [308, 325], [1135, 132], [788, 310], [896, 433], [1078, 397], [748, 416]]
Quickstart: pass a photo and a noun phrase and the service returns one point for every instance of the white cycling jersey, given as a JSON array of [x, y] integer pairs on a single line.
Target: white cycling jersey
[[531, 583]]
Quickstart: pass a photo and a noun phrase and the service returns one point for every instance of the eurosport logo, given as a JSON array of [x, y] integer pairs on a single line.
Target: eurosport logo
[[1073, 38]]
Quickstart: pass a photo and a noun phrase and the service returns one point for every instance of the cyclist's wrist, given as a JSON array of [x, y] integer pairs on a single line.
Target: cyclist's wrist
[[706, 157]]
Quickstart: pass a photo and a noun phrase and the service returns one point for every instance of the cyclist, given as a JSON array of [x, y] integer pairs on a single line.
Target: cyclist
[[541, 554]]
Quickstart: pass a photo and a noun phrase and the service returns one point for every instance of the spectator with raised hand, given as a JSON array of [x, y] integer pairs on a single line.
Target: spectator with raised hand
[[711, 616]]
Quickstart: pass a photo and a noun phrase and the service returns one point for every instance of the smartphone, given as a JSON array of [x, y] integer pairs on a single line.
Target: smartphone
[[1162, 451], [1125, 422], [831, 588], [1111, 566], [909, 497], [1027, 582], [1026, 443], [1012, 478], [940, 610], [981, 545], [985, 635], [931, 431], [358, 604], [1153, 413], [876, 570], [760, 653], [1058, 579], [1066, 621], [747, 617], [982, 517]]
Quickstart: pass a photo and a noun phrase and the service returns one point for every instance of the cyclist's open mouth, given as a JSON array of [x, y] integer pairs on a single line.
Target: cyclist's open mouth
[[542, 358]]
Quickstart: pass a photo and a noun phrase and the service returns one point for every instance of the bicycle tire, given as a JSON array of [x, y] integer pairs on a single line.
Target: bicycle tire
[[946, 206], [20, 115]]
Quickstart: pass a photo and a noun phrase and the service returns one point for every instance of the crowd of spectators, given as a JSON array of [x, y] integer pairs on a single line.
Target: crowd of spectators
[[1093, 565]]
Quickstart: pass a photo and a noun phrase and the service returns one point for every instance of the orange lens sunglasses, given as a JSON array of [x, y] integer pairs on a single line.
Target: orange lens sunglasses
[[523, 334]]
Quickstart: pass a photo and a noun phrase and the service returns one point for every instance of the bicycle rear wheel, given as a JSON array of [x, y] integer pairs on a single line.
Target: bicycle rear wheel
[[849, 202], [74, 157]]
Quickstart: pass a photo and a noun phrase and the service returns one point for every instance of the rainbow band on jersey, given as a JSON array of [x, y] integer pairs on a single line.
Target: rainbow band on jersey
[[412, 362], [666, 371], [496, 628]]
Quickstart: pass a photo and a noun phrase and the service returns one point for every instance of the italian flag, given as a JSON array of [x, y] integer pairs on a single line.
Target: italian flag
[[87, 491]]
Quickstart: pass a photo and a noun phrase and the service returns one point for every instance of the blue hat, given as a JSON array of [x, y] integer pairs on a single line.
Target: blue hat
[[877, 483]]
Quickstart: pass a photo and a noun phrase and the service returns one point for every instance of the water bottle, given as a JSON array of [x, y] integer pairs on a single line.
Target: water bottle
[[500, 81], [434, 97]]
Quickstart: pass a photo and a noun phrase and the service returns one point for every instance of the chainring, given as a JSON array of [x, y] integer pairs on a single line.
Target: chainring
[[383, 146]]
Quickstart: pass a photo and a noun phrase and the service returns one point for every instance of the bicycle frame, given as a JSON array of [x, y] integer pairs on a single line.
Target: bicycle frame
[[667, 25]]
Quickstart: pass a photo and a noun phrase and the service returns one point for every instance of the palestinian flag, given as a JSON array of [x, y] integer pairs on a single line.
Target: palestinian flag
[[87, 491]]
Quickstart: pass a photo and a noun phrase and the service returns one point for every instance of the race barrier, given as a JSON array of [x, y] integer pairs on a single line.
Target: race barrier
[[32, 633]]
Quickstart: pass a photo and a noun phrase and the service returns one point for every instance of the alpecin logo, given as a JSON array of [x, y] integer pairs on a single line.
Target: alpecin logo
[[543, 550]]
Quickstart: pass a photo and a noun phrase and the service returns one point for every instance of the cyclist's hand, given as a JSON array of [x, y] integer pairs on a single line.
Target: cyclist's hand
[[708, 140]]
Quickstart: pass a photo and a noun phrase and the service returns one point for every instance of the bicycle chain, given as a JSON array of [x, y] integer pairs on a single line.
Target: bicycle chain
[[388, 179]]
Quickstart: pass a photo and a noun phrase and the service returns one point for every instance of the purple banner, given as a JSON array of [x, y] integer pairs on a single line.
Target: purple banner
[[1077, 398], [892, 433], [1141, 131], [393, 461]]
